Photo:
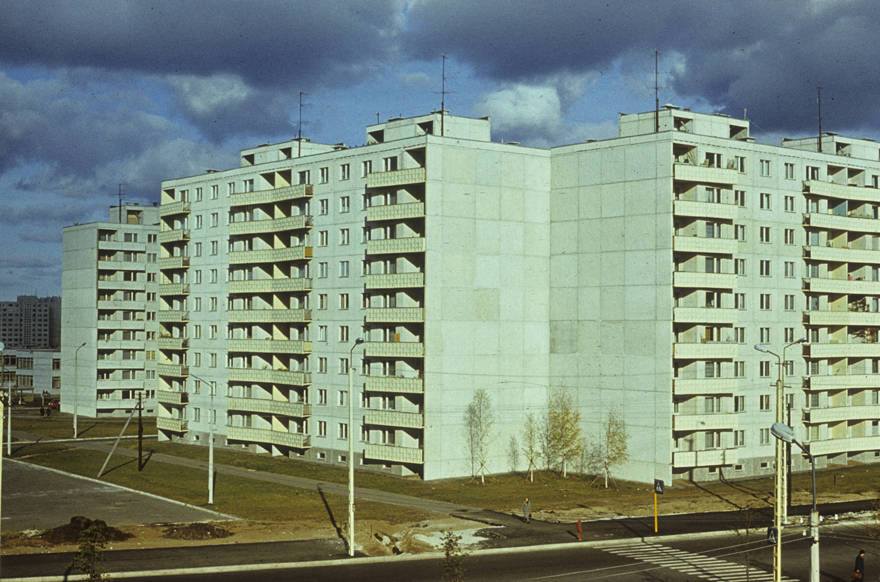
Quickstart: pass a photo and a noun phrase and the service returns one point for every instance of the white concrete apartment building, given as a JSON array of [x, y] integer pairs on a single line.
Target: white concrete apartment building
[[109, 334], [636, 272], [31, 322], [31, 372]]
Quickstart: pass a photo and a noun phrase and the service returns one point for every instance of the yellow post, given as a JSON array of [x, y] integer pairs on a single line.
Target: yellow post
[[655, 512]]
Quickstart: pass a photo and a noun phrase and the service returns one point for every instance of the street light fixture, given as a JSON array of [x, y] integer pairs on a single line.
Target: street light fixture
[[785, 433], [76, 388], [212, 388], [357, 342], [780, 513]]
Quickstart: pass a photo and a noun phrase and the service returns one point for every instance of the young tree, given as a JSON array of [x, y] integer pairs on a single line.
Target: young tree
[[479, 420], [563, 431], [615, 450], [90, 557], [453, 558], [513, 452], [531, 444]]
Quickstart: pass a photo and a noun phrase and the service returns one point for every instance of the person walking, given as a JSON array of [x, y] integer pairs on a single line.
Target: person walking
[[580, 529], [42, 413], [527, 510], [859, 571]]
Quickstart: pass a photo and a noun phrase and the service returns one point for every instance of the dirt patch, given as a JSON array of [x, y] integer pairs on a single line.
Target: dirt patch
[[69, 533], [197, 531]]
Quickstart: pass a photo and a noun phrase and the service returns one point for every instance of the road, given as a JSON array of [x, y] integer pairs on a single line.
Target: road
[[683, 558]]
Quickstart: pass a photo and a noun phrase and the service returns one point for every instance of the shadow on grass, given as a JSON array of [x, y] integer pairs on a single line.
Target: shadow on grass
[[713, 494], [761, 496], [85, 430], [146, 460], [111, 469], [330, 513]]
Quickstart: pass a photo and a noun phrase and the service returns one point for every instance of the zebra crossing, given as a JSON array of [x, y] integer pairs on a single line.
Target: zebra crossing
[[705, 567]]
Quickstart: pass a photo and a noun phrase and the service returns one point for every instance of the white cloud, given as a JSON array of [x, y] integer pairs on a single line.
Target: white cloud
[[202, 96]]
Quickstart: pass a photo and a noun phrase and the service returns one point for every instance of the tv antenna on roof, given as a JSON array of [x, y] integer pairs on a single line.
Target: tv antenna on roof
[[443, 93], [299, 131], [819, 105], [120, 203]]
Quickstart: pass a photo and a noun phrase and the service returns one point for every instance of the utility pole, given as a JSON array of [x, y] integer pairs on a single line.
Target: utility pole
[[140, 431]]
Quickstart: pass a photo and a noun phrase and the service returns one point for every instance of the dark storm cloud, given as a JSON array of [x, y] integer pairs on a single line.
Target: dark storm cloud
[[765, 56], [267, 42]]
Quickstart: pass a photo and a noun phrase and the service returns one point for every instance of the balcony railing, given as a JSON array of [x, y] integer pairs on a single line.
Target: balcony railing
[[297, 222], [842, 191], [172, 398], [842, 381], [684, 386], [271, 285], [256, 376], [258, 435], [173, 343], [396, 211], [172, 316], [844, 445], [394, 454], [842, 286], [299, 253], [271, 196], [704, 245], [174, 263], [704, 174], [396, 178], [175, 370], [707, 458], [705, 315], [174, 208], [269, 315], [173, 289], [853, 350], [394, 349], [171, 424], [694, 209], [266, 406], [270, 346], [396, 281], [851, 223], [395, 385], [841, 413], [415, 244], [835, 318], [705, 351], [693, 422], [392, 418], [704, 280], [395, 314], [176, 235]]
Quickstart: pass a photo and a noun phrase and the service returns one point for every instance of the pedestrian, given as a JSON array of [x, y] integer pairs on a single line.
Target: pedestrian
[[42, 413], [580, 529], [48, 412], [527, 510], [859, 571]]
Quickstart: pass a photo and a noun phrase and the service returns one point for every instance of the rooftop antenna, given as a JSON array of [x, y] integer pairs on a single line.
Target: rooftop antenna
[[443, 97], [377, 118], [120, 203], [819, 104], [299, 133], [656, 91]]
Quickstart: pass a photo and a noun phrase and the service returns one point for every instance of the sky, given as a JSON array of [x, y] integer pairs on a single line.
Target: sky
[[98, 93]]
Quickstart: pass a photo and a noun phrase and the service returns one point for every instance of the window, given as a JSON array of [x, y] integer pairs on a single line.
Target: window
[[343, 430], [789, 236], [343, 301], [765, 268], [789, 302], [230, 188], [215, 192], [789, 370], [812, 173], [324, 205], [713, 439], [322, 333], [739, 301], [249, 185], [739, 267], [712, 404], [305, 177], [389, 164], [213, 360], [343, 236], [788, 335], [213, 304], [814, 368], [765, 436], [343, 268], [215, 219], [344, 204], [713, 160], [713, 264], [213, 275], [739, 231], [739, 197], [765, 301], [324, 175], [765, 234], [130, 237], [739, 335], [712, 370], [344, 171], [764, 402], [713, 195], [765, 167], [343, 367], [322, 301], [765, 335], [198, 249], [789, 269], [366, 168], [765, 201], [322, 428], [789, 203], [322, 395], [343, 333], [198, 194], [739, 403], [198, 276], [739, 369], [789, 171], [739, 162], [322, 270], [764, 369], [739, 438], [322, 369], [215, 247], [323, 238]]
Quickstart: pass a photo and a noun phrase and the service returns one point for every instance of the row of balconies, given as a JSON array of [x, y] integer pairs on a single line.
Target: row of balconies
[[269, 346], [730, 350], [841, 413], [841, 255], [840, 286], [269, 315], [175, 235], [285, 285], [298, 253], [271, 196], [296, 222], [845, 223]]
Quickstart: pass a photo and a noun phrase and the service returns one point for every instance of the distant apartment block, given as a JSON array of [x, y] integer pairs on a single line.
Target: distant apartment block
[[636, 272], [110, 332], [31, 322], [31, 372]]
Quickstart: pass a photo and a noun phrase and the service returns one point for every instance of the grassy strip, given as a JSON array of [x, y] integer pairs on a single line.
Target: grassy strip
[[60, 426], [245, 498]]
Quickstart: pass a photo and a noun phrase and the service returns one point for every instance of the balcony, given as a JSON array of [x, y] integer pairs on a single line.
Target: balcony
[[835, 318], [126, 324], [841, 286], [120, 265], [171, 424], [266, 406], [270, 346], [704, 245], [704, 280], [174, 208], [172, 316], [118, 245], [693, 209], [271, 285], [271, 196], [854, 350], [172, 398], [396, 178], [173, 343], [119, 344], [392, 418], [836, 222], [844, 445], [841, 255], [297, 222], [694, 422], [257, 435], [116, 364], [394, 454], [174, 370], [414, 244], [112, 285], [396, 281], [395, 314], [173, 289], [394, 349], [705, 315], [704, 174], [684, 386], [256, 376], [708, 458], [396, 211], [395, 385], [841, 413], [842, 191], [842, 381], [176, 235], [705, 351], [269, 315], [174, 263], [299, 253]]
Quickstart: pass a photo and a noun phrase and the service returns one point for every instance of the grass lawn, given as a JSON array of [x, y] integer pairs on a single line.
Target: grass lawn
[[60, 426]]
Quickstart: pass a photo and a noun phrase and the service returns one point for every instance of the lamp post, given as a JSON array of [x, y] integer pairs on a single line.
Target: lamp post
[[211, 387], [779, 504], [785, 433], [76, 388], [357, 342]]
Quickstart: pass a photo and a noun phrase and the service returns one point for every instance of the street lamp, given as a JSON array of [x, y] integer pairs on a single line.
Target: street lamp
[[211, 387], [76, 388], [780, 513], [357, 342], [785, 433]]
